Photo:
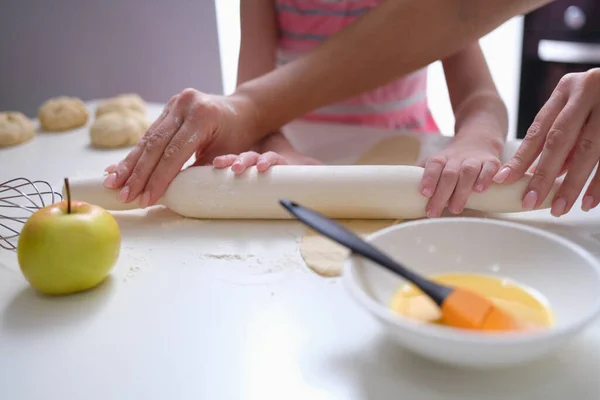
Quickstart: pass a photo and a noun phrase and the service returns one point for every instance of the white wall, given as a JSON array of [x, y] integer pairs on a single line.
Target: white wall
[[501, 47], [94, 49]]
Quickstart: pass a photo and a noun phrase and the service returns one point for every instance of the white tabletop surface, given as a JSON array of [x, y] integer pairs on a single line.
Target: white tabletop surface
[[227, 310]]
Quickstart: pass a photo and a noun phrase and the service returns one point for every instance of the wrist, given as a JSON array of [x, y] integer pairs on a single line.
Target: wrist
[[247, 111], [486, 138]]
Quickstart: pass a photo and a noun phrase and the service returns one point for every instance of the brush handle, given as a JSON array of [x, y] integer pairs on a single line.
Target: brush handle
[[346, 238], [341, 191]]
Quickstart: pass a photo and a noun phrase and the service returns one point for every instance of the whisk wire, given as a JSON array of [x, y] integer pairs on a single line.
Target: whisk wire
[[18, 196]]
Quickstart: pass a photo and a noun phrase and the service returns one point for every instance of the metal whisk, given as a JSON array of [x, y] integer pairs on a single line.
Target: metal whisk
[[19, 199]]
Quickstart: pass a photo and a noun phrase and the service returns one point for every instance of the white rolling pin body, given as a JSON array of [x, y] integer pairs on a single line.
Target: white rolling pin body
[[360, 192]]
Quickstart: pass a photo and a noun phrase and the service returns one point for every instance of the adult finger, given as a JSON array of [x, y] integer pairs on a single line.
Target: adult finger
[[224, 161], [469, 171], [534, 139], [120, 172], [431, 175], [585, 157], [561, 138], [245, 160], [179, 149], [591, 198], [155, 146], [444, 189], [268, 159]]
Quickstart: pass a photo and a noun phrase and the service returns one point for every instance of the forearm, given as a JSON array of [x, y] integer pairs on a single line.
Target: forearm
[[258, 39], [475, 100], [396, 38], [486, 110], [257, 54]]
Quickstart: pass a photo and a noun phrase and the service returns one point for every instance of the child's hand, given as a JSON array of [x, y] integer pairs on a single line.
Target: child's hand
[[450, 176], [239, 163]]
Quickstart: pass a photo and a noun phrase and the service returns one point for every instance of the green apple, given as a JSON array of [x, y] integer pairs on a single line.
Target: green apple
[[68, 247]]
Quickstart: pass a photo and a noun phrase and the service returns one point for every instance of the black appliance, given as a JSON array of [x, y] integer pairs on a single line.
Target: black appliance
[[561, 37]]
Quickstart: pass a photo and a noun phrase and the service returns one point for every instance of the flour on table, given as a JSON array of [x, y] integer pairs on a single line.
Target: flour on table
[[228, 256]]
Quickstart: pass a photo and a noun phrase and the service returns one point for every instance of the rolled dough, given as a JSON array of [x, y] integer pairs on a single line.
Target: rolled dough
[[118, 129], [326, 257], [15, 128], [123, 102], [62, 113]]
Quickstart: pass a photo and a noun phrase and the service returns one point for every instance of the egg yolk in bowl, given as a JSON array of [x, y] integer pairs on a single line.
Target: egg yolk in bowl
[[530, 308]]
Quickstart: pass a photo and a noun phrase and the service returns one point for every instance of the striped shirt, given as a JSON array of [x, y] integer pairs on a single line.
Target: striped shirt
[[402, 104]]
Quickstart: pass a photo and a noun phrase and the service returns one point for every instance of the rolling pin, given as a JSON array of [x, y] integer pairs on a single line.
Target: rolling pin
[[345, 191]]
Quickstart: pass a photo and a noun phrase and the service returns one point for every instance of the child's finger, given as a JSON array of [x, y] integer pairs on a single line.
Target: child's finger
[[268, 159], [444, 189], [244, 161], [485, 179], [224, 161], [431, 175], [470, 169], [111, 168]]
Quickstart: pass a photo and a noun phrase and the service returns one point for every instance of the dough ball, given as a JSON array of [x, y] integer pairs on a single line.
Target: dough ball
[[62, 114], [326, 257], [122, 103], [118, 129], [396, 150], [15, 128]]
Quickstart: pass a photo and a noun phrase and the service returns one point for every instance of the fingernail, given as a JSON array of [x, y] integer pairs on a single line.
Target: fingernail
[[110, 180], [261, 164], [120, 168], [124, 194], [479, 187], [559, 207], [587, 203], [145, 200], [455, 210], [501, 175], [427, 192], [530, 200], [431, 214], [237, 166]]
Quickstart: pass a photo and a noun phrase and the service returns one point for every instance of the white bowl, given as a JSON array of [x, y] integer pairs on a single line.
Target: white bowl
[[563, 272]]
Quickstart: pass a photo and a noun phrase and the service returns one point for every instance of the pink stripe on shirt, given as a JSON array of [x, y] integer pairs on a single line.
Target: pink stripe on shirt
[[304, 24]]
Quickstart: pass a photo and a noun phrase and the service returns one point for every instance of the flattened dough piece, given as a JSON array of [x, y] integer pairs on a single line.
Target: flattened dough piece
[[325, 256], [62, 114], [15, 128], [396, 150], [122, 103]]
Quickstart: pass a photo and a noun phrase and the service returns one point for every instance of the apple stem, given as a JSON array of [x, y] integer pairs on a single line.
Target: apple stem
[[68, 190]]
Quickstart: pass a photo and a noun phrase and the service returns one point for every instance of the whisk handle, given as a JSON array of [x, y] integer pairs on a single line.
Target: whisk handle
[[92, 190]]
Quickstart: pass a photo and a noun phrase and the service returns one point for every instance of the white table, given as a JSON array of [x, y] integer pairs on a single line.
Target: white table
[[227, 310]]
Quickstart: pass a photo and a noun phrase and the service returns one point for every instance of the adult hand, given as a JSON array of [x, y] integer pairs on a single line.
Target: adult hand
[[566, 132], [192, 122]]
